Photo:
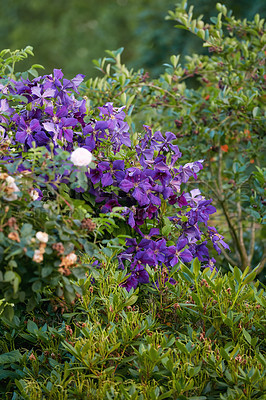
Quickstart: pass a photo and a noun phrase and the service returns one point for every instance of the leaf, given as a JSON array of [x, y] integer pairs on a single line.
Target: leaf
[[261, 359], [246, 335], [6, 373], [11, 357], [46, 271], [32, 327], [185, 269], [26, 230], [166, 395], [8, 312], [255, 111], [37, 286], [224, 354], [197, 398], [182, 347], [237, 274], [181, 27], [9, 276], [251, 276], [196, 267], [131, 300]]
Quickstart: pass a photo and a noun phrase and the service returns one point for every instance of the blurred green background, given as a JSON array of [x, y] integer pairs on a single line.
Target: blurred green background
[[69, 34]]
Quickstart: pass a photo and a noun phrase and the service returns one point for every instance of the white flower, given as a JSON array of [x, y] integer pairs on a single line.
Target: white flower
[[10, 180], [81, 157], [38, 256], [34, 194], [68, 260], [42, 237], [10, 189]]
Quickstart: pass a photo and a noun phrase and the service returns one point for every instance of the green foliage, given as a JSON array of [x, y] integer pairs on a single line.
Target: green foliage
[[9, 58], [215, 104], [41, 242], [69, 34], [199, 339]]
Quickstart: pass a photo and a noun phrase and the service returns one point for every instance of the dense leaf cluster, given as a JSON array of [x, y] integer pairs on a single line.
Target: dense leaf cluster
[[201, 338]]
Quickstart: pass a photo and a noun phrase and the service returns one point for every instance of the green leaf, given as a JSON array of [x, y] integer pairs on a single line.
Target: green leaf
[[12, 357], [8, 312], [237, 274], [182, 347], [32, 327], [37, 286], [46, 271], [255, 111], [26, 230], [246, 335], [9, 276], [166, 395], [131, 300], [196, 267]]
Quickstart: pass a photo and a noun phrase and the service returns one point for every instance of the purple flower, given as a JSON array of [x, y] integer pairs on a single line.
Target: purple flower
[[211, 265], [26, 133], [145, 156], [217, 238], [131, 282], [158, 142], [176, 253], [41, 96], [5, 111], [141, 274], [201, 251], [107, 207], [106, 178]]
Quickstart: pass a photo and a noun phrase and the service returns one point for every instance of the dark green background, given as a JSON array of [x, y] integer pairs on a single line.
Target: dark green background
[[69, 34]]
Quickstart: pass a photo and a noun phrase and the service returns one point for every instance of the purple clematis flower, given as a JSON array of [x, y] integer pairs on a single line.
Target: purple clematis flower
[[217, 238], [41, 96], [131, 282], [26, 134], [176, 253]]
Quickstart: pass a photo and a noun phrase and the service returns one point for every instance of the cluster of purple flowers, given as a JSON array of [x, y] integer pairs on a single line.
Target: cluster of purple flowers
[[142, 184], [51, 113]]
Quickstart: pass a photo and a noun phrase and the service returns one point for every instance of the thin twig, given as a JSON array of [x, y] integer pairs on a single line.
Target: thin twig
[[228, 258], [252, 241], [243, 251], [262, 263], [219, 173], [232, 230]]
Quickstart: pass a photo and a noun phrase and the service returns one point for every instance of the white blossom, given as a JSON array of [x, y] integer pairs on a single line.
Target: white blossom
[[42, 236], [68, 260], [38, 256], [81, 157], [34, 194], [11, 189]]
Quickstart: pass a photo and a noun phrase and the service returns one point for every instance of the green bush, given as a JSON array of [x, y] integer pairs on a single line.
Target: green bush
[[188, 333], [200, 339], [40, 241], [215, 104]]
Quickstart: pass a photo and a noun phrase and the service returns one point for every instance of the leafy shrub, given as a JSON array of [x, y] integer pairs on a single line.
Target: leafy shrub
[[41, 241], [137, 178], [214, 104], [92, 206], [200, 338]]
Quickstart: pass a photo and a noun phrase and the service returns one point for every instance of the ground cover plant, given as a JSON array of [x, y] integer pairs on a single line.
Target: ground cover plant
[[202, 338], [109, 285]]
